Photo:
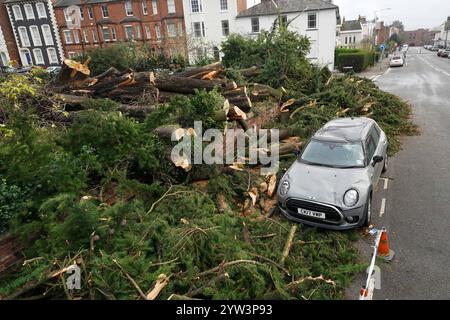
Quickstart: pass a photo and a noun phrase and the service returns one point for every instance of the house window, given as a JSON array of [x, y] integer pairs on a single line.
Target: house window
[[17, 12], [155, 7], [68, 36], [171, 6], [172, 30], [38, 57], [40, 8], [196, 6], [52, 56], [113, 34], [128, 8], [105, 12], [129, 32], [67, 15], [76, 36], [199, 29], [225, 28], [90, 13], [144, 7], [94, 36], [346, 40], [46, 31], [81, 14], [312, 20], [24, 39], [106, 35], [158, 32], [354, 39], [255, 25], [35, 36], [85, 37], [29, 12], [138, 32], [223, 5], [180, 29], [148, 33]]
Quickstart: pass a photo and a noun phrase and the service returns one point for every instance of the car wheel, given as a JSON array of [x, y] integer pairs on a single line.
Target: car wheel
[[368, 213], [385, 165]]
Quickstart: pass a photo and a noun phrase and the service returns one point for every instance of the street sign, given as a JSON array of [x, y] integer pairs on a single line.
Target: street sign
[[382, 47], [73, 17]]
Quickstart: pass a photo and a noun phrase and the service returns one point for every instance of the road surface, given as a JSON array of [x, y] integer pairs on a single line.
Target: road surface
[[415, 202]]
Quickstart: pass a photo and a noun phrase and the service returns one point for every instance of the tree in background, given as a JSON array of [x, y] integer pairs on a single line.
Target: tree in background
[[399, 25]]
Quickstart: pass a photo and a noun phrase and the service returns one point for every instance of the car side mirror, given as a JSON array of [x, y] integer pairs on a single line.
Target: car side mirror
[[377, 159]]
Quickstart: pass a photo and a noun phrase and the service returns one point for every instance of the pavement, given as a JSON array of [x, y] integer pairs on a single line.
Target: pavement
[[414, 203]]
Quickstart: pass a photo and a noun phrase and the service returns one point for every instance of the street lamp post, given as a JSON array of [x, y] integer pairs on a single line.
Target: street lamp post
[[375, 24]]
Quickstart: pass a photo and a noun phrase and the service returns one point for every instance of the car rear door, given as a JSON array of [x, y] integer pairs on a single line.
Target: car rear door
[[380, 150]]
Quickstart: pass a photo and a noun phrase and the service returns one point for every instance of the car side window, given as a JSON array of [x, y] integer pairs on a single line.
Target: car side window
[[370, 148], [375, 135]]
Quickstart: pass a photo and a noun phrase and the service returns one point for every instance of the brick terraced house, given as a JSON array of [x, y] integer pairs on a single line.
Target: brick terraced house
[[34, 27], [8, 46], [157, 23]]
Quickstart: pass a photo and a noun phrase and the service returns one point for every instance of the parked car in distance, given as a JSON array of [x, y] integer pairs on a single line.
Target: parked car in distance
[[53, 70], [434, 48], [445, 53], [397, 61], [24, 70], [7, 70], [331, 183]]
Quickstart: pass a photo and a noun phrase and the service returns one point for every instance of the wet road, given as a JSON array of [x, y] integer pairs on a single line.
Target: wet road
[[417, 206]]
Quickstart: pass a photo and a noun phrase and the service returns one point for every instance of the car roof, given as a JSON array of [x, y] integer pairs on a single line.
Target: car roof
[[345, 130]]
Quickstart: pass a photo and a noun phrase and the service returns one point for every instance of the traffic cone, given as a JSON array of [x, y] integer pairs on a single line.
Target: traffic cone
[[383, 247], [363, 293]]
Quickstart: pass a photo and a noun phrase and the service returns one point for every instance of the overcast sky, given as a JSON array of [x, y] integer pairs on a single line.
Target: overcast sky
[[413, 13]]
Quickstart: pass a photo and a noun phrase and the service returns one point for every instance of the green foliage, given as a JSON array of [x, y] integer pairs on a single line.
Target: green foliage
[[28, 158], [359, 59], [136, 57], [183, 110], [390, 112], [12, 201], [108, 140], [281, 54]]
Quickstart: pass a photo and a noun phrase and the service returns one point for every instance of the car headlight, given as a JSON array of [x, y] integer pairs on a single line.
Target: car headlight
[[351, 198], [284, 188]]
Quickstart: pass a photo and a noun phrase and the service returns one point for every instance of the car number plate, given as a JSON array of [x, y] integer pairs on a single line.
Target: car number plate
[[309, 213]]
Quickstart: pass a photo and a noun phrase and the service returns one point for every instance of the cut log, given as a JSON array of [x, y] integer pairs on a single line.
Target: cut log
[[271, 185], [184, 85], [111, 72], [243, 102], [288, 245], [159, 285], [167, 132], [193, 72], [265, 91], [250, 72]]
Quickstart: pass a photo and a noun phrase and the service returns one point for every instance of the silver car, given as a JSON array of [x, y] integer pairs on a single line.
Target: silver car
[[331, 183]]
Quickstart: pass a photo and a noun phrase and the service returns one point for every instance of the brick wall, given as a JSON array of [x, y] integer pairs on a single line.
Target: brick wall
[[142, 26], [8, 34]]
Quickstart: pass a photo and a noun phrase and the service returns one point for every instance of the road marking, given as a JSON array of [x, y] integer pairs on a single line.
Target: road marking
[[383, 207], [432, 66], [386, 181]]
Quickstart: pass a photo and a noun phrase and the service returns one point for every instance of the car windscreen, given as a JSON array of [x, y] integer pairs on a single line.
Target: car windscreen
[[334, 154]]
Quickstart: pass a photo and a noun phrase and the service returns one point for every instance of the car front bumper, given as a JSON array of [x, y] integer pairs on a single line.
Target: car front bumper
[[343, 224]]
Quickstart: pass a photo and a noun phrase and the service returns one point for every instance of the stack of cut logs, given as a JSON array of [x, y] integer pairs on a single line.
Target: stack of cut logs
[[73, 86]]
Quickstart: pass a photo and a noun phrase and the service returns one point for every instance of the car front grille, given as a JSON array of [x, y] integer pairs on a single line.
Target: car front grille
[[332, 214]]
